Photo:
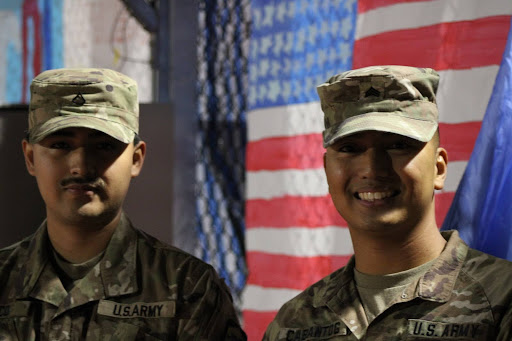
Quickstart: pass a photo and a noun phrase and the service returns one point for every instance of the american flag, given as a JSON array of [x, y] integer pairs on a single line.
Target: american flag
[[294, 235]]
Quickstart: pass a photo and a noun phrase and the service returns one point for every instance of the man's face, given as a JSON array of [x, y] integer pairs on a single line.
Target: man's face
[[83, 174], [381, 181]]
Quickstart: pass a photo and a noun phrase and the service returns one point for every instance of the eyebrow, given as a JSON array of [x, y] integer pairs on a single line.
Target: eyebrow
[[70, 133]]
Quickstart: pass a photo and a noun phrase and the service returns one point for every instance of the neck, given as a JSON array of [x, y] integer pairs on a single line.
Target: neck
[[386, 254], [78, 243]]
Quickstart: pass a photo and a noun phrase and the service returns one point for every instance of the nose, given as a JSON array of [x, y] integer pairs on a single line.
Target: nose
[[375, 163], [80, 162]]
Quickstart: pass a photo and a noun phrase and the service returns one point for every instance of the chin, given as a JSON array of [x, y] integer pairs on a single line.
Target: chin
[[382, 224], [89, 210], [93, 214]]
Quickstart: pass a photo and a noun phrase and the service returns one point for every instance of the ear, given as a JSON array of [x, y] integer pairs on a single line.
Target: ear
[[441, 168], [28, 153], [139, 153]]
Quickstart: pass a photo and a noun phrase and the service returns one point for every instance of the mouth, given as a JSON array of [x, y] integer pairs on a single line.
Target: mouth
[[80, 188], [373, 196]]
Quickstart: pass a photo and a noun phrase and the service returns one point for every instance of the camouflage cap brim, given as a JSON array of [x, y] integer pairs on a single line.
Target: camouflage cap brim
[[114, 129], [385, 122]]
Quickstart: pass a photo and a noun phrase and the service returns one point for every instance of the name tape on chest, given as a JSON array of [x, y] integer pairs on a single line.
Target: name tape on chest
[[137, 309], [313, 332], [446, 331]]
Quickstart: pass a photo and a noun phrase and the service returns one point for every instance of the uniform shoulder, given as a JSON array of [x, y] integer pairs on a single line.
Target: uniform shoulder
[[477, 267], [489, 278], [148, 243], [178, 267], [493, 276], [12, 258], [480, 265], [14, 250]]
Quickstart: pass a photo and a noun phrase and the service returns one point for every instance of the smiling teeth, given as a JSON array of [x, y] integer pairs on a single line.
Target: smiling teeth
[[372, 196]]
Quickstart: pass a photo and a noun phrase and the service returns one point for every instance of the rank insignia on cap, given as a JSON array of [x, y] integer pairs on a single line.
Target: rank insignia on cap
[[79, 99], [372, 92]]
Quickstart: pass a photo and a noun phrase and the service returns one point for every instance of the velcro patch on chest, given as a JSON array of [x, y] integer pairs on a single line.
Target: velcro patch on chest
[[16, 309], [446, 330], [137, 309], [313, 332]]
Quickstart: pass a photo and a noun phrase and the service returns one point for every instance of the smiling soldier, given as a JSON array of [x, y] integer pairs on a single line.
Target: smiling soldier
[[406, 280], [87, 273]]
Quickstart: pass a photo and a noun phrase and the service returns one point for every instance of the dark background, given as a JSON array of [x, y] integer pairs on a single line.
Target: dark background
[[148, 204]]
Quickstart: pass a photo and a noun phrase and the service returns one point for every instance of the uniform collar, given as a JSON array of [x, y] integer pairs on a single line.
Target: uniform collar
[[31, 266], [340, 293], [118, 267], [337, 287], [445, 269], [344, 300], [438, 282]]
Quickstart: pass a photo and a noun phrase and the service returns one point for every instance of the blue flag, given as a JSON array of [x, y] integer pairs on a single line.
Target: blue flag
[[482, 207]]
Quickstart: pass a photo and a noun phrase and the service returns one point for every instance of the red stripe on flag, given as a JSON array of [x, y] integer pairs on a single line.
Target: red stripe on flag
[[457, 45], [292, 211], [281, 271], [259, 322], [443, 203], [295, 152], [459, 139], [366, 5], [306, 151]]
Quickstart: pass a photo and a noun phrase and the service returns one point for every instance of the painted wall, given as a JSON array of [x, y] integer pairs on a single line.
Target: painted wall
[[36, 35]]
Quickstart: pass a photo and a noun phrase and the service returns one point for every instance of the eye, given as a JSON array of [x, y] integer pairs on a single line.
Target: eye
[[59, 145], [347, 148], [350, 147], [400, 145], [106, 146]]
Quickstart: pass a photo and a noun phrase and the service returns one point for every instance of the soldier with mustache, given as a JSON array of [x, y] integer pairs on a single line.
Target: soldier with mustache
[[87, 273]]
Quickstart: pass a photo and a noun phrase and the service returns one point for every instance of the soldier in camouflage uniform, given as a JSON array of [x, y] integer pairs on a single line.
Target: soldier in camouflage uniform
[[87, 273], [406, 280]]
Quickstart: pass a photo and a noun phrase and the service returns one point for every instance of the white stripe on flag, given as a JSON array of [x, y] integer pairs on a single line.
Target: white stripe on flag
[[398, 17], [300, 241], [272, 184], [289, 120], [257, 298], [463, 95], [455, 172]]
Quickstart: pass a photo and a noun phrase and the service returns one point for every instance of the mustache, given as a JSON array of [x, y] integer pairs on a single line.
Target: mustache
[[87, 181]]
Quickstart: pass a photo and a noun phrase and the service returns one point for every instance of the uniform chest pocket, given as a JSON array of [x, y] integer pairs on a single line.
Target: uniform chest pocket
[[121, 332], [15, 323], [8, 330]]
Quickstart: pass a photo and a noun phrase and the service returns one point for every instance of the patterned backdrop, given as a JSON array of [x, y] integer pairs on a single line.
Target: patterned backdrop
[[220, 170]]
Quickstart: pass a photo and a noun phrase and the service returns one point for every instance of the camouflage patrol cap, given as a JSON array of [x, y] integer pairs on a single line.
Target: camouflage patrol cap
[[394, 99], [100, 99]]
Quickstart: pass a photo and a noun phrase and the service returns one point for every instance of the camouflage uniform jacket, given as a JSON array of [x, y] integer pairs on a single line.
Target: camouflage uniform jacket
[[141, 289], [465, 295]]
